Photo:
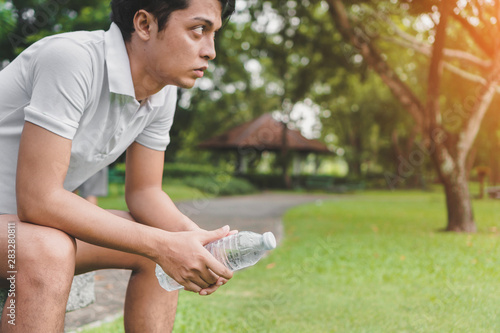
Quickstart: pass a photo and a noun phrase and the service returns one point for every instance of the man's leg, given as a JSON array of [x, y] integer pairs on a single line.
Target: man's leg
[[44, 265], [148, 307]]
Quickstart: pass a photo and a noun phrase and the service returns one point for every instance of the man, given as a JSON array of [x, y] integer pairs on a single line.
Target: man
[[69, 105]]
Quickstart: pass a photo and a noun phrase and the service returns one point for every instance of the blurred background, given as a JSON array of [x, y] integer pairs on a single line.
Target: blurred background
[[362, 77], [342, 97], [362, 94]]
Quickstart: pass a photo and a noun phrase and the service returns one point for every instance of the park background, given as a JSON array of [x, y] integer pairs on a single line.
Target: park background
[[404, 95]]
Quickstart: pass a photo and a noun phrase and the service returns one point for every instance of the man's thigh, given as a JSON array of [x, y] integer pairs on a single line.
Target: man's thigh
[[91, 257], [21, 242], [9, 238]]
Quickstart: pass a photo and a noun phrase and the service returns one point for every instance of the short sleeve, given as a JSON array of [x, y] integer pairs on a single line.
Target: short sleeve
[[156, 134], [61, 75]]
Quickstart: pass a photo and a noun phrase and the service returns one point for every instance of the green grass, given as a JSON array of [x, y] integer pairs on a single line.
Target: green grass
[[375, 262]]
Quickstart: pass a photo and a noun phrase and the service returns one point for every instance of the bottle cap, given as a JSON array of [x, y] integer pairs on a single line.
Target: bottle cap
[[269, 241]]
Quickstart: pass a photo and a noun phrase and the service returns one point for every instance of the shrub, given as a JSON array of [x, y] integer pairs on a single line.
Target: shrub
[[183, 170], [220, 185]]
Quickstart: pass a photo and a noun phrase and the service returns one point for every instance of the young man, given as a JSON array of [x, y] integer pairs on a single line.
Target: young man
[[69, 105]]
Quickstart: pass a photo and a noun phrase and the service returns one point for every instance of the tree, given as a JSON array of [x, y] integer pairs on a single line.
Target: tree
[[272, 57], [362, 119], [448, 148], [27, 21]]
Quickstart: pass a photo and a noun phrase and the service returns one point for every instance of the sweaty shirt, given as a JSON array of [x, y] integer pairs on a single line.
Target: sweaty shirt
[[78, 85]]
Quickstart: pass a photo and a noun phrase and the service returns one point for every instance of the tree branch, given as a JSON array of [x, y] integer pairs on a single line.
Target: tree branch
[[436, 70], [420, 46], [464, 74], [473, 123], [426, 49], [375, 60], [476, 36]]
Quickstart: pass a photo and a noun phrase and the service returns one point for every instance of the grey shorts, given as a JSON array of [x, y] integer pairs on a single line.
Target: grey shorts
[[97, 185]]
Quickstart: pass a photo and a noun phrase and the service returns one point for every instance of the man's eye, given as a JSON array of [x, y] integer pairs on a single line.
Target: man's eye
[[199, 30]]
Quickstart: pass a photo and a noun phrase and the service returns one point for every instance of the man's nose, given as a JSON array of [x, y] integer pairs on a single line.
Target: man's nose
[[208, 49]]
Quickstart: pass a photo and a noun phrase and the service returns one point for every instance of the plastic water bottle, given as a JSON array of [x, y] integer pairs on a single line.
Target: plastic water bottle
[[236, 251]]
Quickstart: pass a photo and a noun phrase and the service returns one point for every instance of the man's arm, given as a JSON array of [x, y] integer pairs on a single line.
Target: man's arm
[[146, 200], [42, 165]]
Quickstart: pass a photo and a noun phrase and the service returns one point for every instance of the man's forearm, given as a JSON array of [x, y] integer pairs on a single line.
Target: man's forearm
[[77, 217], [154, 207], [180, 254]]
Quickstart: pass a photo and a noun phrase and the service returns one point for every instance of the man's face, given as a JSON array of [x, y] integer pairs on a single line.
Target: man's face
[[179, 54]]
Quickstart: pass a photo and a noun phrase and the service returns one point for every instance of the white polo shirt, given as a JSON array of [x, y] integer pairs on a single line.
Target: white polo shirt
[[78, 85]]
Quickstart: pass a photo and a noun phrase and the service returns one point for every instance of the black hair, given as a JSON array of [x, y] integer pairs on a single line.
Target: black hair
[[123, 12]]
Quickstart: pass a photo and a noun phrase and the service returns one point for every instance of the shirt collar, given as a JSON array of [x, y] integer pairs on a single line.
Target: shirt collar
[[118, 64], [157, 99]]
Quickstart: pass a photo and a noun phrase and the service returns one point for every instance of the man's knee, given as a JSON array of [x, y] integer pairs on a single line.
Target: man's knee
[[46, 256]]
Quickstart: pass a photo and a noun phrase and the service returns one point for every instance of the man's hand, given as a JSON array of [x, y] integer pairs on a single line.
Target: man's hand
[[191, 265]]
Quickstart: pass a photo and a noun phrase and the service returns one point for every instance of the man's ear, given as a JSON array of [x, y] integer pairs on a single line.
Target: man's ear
[[143, 24]]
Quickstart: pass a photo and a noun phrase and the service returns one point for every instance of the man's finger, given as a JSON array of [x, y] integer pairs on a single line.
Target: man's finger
[[218, 268], [191, 286], [211, 236], [209, 290], [213, 288], [209, 277]]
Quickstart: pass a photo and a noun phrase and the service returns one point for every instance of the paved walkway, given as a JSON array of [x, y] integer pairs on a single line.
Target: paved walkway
[[259, 213]]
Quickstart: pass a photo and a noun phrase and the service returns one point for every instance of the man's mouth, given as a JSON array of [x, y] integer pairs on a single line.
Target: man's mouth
[[200, 71]]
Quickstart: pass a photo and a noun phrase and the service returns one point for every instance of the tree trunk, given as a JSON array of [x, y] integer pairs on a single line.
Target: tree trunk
[[356, 159], [494, 177], [452, 168], [452, 172], [285, 157], [495, 167], [458, 203]]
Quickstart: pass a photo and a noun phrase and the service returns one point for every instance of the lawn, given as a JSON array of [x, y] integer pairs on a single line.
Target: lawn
[[373, 262]]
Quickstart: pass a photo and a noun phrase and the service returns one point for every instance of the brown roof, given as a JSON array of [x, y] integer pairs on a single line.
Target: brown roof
[[263, 133]]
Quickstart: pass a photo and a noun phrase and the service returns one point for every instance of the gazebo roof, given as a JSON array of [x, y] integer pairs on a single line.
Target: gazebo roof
[[263, 133]]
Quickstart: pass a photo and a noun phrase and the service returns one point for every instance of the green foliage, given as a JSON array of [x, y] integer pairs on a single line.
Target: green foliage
[[361, 122], [7, 18], [270, 57], [176, 190], [266, 181], [273, 55], [182, 170], [413, 18], [30, 20], [186, 181], [220, 185], [207, 178], [371, 263]]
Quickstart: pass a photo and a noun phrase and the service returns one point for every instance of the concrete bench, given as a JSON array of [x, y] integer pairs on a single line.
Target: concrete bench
[[81, 294], [493, 192]]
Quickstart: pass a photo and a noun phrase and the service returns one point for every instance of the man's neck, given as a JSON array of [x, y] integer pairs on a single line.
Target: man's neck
[[144, 84]]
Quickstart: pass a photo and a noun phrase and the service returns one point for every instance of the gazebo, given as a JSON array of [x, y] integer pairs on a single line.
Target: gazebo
[[264, 134]]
